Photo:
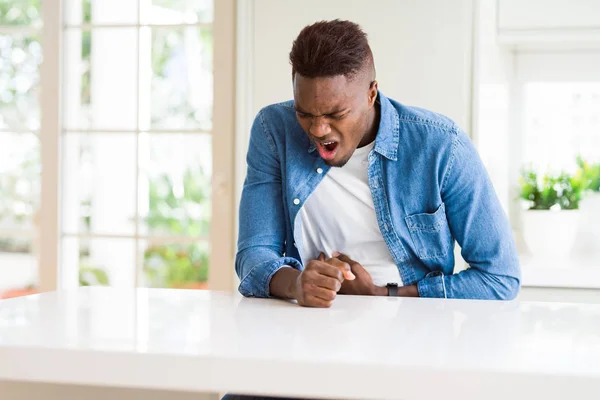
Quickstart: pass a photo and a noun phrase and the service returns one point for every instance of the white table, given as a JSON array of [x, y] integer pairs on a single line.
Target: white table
[[363, 347]]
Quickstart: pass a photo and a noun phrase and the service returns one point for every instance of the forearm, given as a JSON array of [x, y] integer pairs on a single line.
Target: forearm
[[472, 283], [262, 223], [256, 266], [408, 291], [283, 283]]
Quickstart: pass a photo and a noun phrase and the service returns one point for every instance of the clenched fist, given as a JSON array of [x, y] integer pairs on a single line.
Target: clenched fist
[[320, 281]]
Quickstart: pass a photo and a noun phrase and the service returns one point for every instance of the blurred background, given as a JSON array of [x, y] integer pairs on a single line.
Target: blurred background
[[124, 125]]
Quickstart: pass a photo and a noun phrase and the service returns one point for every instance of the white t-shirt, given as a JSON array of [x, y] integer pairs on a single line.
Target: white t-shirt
[[340, 216]]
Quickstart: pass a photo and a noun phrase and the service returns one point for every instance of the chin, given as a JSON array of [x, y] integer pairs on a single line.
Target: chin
[[338, 163]]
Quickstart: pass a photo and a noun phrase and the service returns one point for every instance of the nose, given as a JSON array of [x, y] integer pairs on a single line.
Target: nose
[[319, 127]]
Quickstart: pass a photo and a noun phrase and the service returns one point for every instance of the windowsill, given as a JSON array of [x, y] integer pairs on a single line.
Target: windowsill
[[582, 273]]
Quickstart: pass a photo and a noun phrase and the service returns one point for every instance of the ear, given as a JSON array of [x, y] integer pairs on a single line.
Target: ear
[[372, 93]]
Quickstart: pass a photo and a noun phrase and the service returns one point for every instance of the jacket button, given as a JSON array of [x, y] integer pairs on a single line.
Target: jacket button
[[319, 170], [296, 201]]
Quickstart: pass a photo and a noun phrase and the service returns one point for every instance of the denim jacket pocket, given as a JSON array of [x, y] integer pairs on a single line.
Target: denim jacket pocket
[[430, 233]]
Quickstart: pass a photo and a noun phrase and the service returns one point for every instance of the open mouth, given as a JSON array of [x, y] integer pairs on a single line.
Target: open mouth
[[327, 150]]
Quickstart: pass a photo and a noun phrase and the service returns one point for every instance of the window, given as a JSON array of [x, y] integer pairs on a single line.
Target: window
[[560, 94], [543, 118], [538, 133], [136, 135], [137, 123]]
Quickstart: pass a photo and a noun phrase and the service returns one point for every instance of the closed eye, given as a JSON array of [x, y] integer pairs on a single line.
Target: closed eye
[[336, 117]]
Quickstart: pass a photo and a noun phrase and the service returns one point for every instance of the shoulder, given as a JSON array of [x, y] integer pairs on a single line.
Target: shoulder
[[427, 138], [424, 129], [277, 123], [420, 118], [276, 114]]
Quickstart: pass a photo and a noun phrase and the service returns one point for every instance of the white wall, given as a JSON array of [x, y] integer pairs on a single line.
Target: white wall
[[495, 72], [548, 14], [422, 48]]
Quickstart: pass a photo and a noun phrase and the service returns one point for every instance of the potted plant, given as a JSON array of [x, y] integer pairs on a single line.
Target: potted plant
[[551, 216], [588, 235]]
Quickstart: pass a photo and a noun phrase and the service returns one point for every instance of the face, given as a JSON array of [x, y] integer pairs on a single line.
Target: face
[[337, 114]]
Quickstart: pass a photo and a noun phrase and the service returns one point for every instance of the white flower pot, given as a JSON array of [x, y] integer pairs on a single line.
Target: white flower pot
[[550, 234], [588, 235]]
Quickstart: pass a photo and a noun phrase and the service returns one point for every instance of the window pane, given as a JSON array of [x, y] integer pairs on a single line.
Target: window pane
[[20, 12], [19, 180], [101, 79], [177, 11], [562, 120], [175, 184], [99, 183], [18, 272], [175, 265], [176, 78], [20, 58], [96, 12], [100, 262]]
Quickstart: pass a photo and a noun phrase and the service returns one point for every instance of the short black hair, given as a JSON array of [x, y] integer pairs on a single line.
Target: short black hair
[[330, 48]]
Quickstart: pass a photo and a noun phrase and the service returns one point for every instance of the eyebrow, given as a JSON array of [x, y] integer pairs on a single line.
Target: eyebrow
[[329, 113]]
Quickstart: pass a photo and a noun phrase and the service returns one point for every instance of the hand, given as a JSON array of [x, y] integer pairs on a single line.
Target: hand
[[318, 284], [363, 284]]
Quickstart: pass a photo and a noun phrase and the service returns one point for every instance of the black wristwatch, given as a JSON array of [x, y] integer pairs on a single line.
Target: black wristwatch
[[392, 289]]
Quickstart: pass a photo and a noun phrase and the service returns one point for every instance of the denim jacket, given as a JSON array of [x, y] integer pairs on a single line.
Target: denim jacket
[[429, 189]]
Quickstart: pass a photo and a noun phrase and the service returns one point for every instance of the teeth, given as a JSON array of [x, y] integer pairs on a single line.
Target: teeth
[[328, 143]]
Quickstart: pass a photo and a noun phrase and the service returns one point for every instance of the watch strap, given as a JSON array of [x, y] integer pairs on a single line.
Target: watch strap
[[393, 289]]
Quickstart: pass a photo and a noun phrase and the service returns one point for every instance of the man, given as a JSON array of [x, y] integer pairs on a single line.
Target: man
[[350, 192]]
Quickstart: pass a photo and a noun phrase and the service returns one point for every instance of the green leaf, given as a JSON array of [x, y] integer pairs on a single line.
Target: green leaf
[[546, 191]]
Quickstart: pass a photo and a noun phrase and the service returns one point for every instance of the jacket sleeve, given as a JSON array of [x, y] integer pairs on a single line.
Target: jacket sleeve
[[262, 225], [481, 228]]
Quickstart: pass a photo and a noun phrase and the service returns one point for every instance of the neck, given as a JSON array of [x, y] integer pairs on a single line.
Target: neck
[[372, 126]]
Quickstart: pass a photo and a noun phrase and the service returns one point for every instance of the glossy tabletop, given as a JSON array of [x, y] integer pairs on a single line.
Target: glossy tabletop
[[362, 347]]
